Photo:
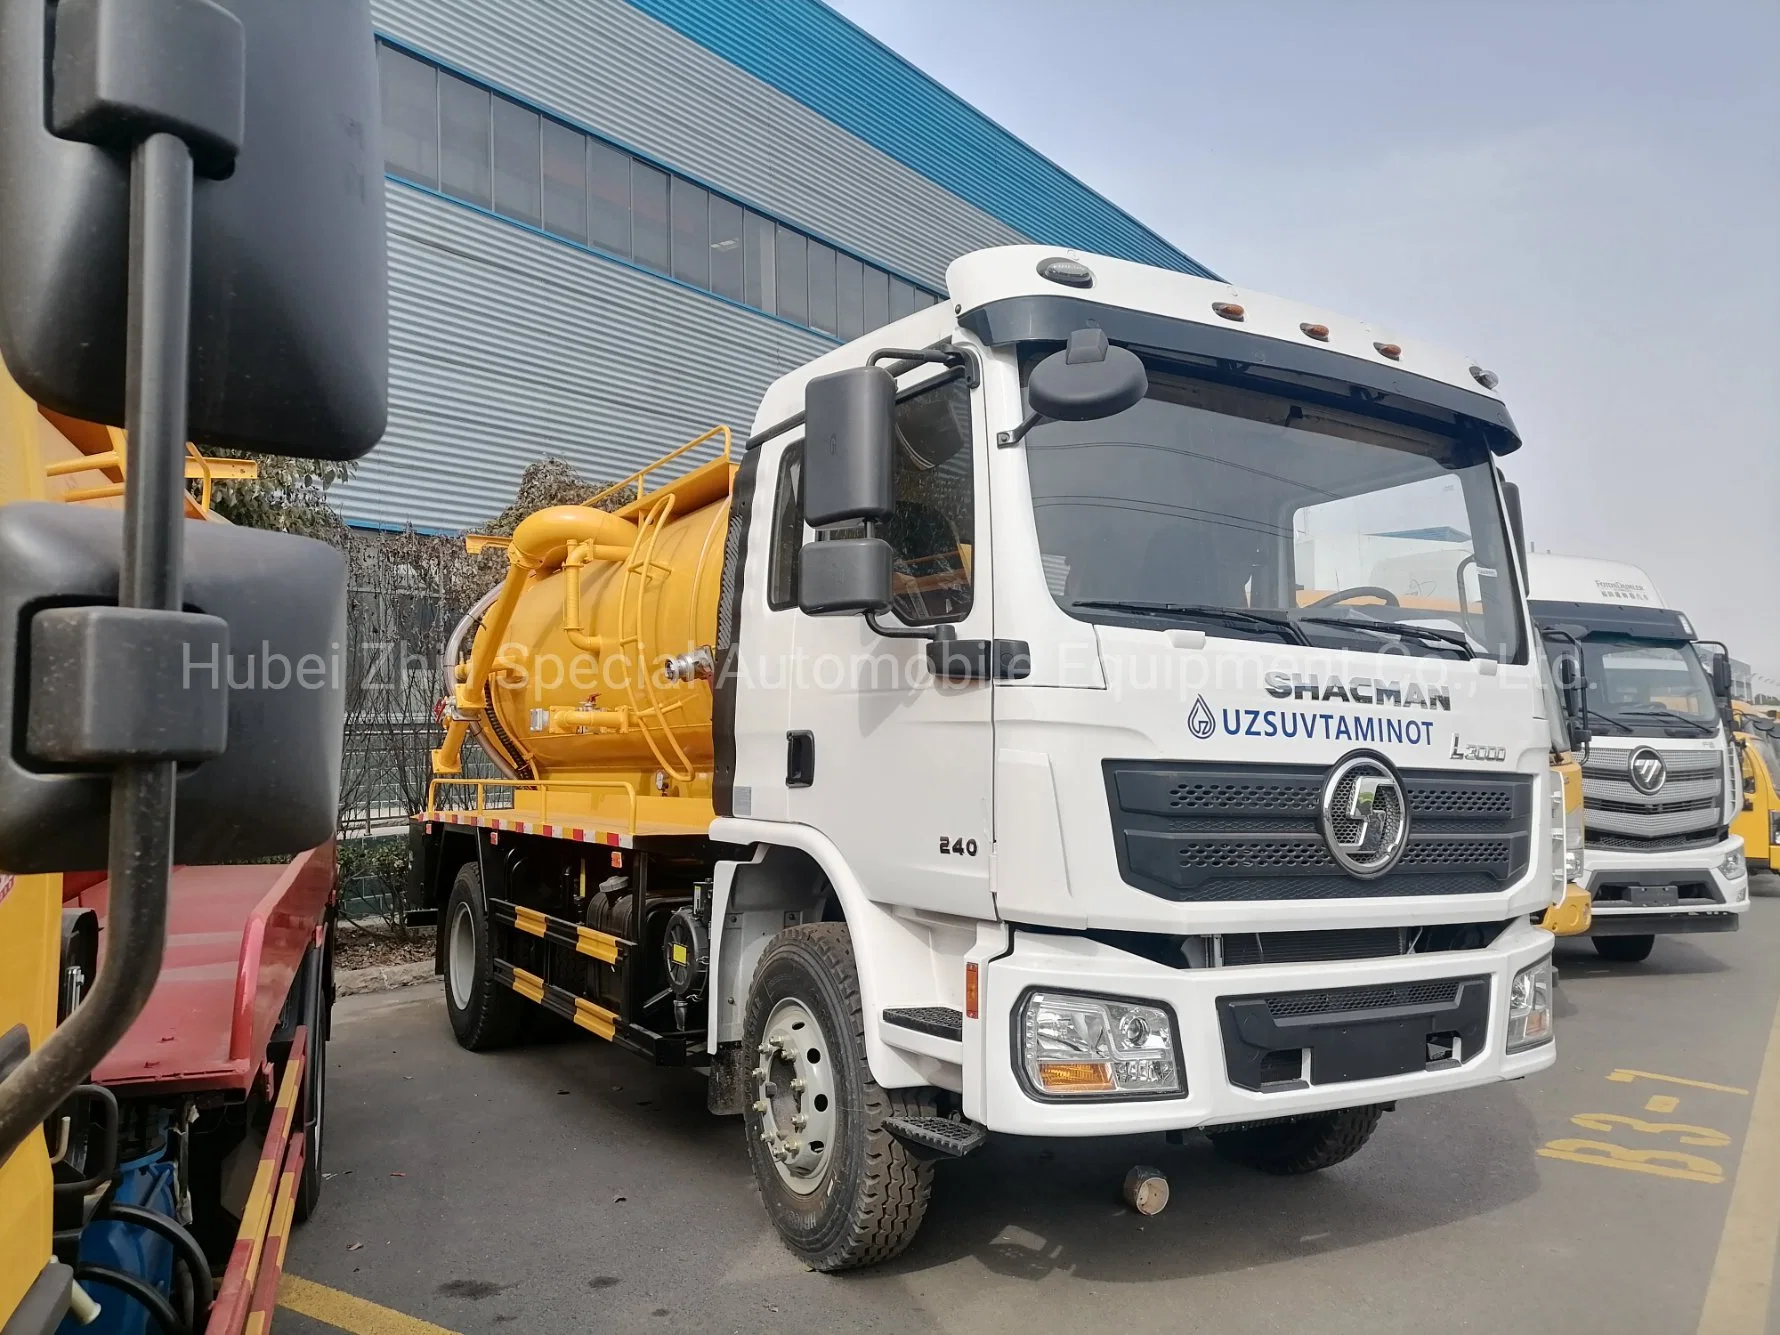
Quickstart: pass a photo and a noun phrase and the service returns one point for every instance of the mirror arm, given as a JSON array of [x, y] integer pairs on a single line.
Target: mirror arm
[[872, 619], [1003, 439], [906, 359]]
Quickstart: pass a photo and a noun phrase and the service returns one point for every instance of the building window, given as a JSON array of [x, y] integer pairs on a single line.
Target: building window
[[757, 241], [691, 211], [781, 581], [726, 249], [877, 298], [794, 276], [608, 198], [565, 181], [464, 134], [410, 116], [822, 288], [849, 297], [649, 216], [518, 192], [451, 134]]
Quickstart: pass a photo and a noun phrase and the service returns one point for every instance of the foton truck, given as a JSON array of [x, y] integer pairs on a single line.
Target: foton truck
[[1103, 702], [1661, 783]]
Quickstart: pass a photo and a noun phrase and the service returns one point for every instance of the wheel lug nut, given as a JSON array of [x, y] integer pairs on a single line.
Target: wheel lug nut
[[799, 1122], [797, 1086], [759, 1105], [759, 1072], [793, 1147]]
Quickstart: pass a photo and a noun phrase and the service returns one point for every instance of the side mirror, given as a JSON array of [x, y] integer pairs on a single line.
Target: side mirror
[[1572, 684], [849, 427], [1517, 525], [1088, 380], [844, 575], [1722, 684]]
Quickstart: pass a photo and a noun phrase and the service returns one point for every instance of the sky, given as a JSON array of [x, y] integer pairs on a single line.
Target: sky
[[1582, 195]]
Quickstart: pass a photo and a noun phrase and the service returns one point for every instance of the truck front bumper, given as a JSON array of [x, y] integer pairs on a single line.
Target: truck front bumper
[[1698, 890], [1229, 1020]]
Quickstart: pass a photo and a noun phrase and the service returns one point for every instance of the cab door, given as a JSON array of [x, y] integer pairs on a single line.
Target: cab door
[[889, 763]]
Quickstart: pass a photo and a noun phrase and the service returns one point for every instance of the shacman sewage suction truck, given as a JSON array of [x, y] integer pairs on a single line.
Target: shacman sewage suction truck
[[1103, 702]]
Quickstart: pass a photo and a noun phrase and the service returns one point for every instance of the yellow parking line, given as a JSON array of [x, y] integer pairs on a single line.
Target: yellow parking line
[[1742, 1282], [345, 1312]]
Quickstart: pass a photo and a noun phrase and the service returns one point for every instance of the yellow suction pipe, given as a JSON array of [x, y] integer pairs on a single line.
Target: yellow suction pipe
[[542, 542]]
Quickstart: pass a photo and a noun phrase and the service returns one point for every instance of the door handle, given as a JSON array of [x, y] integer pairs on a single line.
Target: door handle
[[800, 759]]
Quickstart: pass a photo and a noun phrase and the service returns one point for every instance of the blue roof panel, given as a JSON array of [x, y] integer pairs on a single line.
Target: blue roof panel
[[811, 53]]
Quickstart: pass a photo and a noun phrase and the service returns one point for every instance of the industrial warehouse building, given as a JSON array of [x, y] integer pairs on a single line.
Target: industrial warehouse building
[[612, 224]]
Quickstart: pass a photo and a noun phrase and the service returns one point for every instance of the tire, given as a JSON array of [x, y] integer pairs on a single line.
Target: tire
[[317, 971], [484, 1014], [1307, 1145], [865, 1202], [1623, 949]]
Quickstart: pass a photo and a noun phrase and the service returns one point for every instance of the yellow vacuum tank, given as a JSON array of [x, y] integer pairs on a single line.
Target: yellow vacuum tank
[[593, 658]]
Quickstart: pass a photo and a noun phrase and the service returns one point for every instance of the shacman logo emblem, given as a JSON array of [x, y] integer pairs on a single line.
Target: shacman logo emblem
[[1648, 771], [1365, 819]]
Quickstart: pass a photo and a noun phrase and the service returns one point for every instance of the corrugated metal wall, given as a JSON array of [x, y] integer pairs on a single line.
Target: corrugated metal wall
[[826, 62], [619, 72], [506, 346]]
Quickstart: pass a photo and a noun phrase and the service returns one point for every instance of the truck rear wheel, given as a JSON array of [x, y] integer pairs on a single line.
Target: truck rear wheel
[[1306, 1145], [840, 1188], [484, 1013], [1623, 949], [317, 968]]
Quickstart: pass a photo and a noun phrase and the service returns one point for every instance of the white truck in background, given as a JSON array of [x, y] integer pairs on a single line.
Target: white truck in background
[[1660, 778], [1103, 702]]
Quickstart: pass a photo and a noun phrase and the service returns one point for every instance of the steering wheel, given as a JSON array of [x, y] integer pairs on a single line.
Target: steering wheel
[[1357, 591]]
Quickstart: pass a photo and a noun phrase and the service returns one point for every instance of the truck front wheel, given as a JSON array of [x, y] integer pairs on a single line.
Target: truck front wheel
[[840, 1188], [484, 1012], [1304, 1145]]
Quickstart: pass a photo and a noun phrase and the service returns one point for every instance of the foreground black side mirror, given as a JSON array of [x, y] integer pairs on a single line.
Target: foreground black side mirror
[[849, 426]]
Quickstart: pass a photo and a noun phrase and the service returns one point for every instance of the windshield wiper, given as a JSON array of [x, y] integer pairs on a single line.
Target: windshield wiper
[[1278, 623], [1426, 634], [1663, 711], [1609, 719]]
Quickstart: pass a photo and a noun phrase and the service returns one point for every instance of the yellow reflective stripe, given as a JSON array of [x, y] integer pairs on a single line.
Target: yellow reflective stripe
[[528, 985], [597, 944], [530, 920], [595, 1019]]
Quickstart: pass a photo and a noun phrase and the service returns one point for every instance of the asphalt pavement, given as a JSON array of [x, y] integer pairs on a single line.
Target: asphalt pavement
[[570, 1188]]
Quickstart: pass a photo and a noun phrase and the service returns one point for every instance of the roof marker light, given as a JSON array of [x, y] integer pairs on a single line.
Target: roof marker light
[[1229, 310], [1390, 350], [1320, 332], [1070, 273], [1488, 379]]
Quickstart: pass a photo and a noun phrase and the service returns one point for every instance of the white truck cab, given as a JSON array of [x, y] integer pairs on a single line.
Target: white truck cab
[[1661, 783], [1239, 804]]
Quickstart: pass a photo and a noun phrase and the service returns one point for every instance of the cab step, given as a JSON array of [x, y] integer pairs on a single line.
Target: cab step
[[939, 1135], [939, 1021]]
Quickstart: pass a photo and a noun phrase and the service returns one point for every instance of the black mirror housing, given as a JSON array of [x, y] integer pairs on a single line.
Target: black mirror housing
[[1089, 379], [844, 575], [849, 424], [289, 314], [279, 669]]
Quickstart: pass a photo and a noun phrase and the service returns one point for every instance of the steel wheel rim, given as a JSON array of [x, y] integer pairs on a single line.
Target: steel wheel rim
[[794, 1096], [462, 952]]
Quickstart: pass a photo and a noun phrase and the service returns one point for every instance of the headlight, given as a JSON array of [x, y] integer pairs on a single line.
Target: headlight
[[1529, 1007], [1076, 1046], [1732, 864]]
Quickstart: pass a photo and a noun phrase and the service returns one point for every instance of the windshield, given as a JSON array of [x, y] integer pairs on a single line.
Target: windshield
[[1641, 686], [1259, 515]]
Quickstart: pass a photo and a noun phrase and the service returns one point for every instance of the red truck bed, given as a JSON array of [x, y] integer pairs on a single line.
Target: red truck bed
[[235, 939]]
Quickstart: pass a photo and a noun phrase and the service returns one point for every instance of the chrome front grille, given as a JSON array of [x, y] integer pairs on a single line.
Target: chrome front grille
[[1686, 812]]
